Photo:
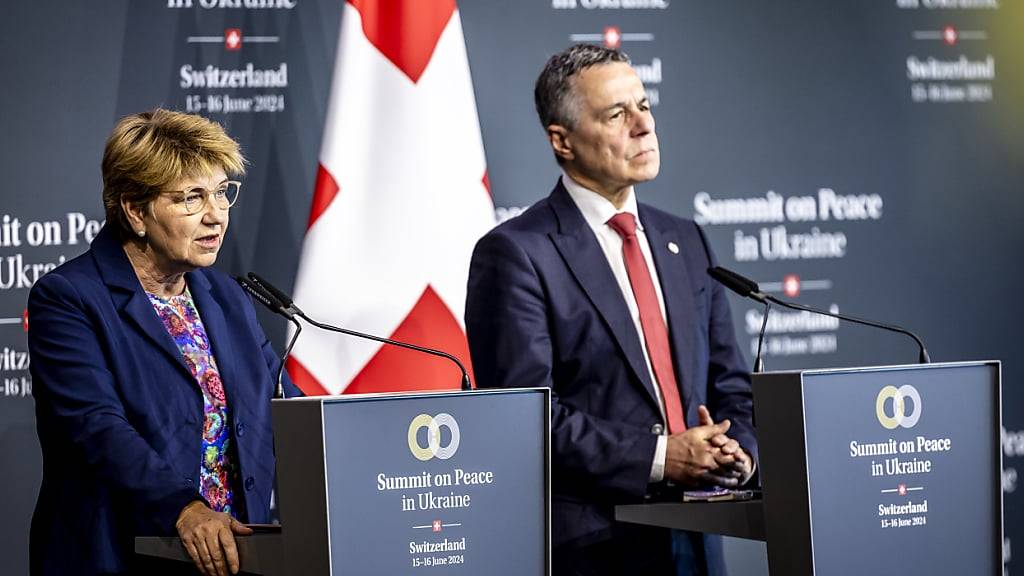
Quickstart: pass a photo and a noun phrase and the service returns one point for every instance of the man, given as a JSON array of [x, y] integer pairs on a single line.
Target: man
[[608, 303]]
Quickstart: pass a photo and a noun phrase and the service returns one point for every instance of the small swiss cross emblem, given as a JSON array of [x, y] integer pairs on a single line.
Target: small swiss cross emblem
[[24, 320], [233, 39], [612, 37], [791, 285], [436, 525], [950, 35], [902, 489]]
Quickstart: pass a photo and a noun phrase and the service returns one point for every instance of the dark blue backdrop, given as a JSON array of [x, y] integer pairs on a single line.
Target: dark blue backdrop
[[824, 109]]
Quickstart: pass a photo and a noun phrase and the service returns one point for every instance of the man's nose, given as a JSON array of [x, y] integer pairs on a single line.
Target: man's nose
[[643, 123]]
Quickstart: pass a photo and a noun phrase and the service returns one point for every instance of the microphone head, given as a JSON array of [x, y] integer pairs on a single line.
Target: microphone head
[[261, 294], [733, 281], [286, 300]]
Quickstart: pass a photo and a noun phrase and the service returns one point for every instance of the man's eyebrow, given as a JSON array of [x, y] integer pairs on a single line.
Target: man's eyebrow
[[611, 107], [623, 104]]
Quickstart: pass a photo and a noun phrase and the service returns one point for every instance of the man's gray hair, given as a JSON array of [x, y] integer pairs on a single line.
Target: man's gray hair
[[553, 94]]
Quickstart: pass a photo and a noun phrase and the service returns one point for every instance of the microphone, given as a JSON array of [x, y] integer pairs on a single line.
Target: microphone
[[288, 309], [749, 289], [284, 299], [274, 303], [738, 284]]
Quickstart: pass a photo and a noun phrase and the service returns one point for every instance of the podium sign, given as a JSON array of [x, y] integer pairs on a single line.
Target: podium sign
[[432, 483], [901, 467]]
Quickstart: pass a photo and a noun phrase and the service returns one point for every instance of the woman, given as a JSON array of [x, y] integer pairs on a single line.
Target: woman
[[151, 375]]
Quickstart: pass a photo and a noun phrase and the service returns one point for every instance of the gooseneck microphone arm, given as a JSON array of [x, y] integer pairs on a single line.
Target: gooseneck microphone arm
[[922, 357], [275, 305], [466, 385], [289, 310], [749, 289]]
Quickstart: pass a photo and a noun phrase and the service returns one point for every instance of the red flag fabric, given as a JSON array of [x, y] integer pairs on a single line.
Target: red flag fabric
[[401, 198]]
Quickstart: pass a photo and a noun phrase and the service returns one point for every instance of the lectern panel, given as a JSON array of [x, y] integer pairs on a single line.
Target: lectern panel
[[438, 484], [903, 468]]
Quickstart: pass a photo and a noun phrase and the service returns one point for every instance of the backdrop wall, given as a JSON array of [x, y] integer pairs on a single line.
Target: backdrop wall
[[861, 156]]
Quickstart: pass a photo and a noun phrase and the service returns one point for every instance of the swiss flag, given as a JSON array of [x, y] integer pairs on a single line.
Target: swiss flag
[[401, 199]]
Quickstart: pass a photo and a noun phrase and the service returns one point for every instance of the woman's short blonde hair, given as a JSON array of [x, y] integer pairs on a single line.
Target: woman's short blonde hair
[[149, 151]]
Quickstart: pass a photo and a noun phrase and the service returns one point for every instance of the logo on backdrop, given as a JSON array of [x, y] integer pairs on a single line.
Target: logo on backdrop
[[612, 37], [433, 424], [233, 39], [899, 407]]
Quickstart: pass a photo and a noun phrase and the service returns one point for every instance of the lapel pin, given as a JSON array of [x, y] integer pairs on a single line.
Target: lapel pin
[[673, 247]]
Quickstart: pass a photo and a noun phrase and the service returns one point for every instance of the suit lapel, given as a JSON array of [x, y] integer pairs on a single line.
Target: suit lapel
[[579, 248], [140, 311], [128, 296], [679, 301], [217, 331]]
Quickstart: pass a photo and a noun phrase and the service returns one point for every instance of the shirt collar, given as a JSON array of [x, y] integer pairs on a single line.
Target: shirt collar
[[597, 209]]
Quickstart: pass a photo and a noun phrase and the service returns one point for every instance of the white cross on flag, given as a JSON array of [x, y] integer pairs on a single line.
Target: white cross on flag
[[401, 198]]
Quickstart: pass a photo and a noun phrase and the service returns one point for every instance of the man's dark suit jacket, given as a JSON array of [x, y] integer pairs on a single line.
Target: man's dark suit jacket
[[544, 309], [119, 415]]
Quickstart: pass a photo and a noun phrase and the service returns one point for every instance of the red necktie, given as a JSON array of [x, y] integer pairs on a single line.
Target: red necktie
[[651, 320]]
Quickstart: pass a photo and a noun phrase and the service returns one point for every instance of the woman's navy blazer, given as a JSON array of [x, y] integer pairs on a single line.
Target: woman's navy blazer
[[120, 416]]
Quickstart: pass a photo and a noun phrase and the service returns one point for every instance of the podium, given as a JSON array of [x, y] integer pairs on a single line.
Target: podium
[[438, 482], [881, 470]]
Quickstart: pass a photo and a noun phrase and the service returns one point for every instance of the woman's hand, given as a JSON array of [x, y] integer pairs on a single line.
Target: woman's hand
[[209, 538]]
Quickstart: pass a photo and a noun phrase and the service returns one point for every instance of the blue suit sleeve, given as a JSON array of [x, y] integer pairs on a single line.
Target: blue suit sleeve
[[76, 393], [510, 341]]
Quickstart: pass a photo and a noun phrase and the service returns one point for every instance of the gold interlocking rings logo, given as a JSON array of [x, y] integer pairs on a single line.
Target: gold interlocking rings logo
[[899, 406], [433, 424]]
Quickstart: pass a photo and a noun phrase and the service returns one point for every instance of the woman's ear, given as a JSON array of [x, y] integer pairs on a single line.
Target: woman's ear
[[135, 213]]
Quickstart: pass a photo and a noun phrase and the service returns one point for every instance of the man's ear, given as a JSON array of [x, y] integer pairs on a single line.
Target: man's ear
[[558, 135]]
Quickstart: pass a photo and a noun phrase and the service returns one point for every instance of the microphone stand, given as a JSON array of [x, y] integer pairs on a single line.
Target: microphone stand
[[759, 359]]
